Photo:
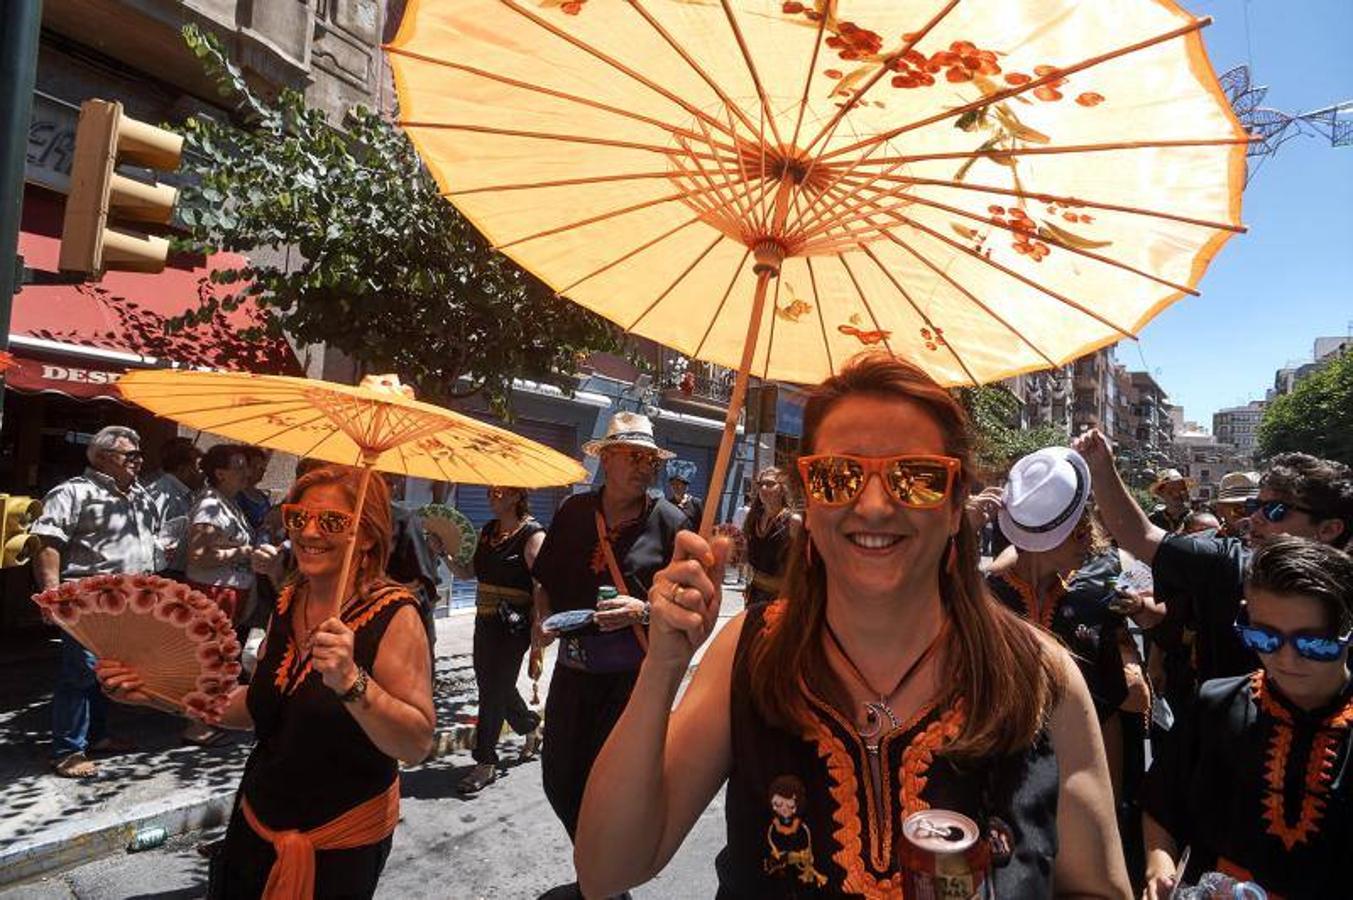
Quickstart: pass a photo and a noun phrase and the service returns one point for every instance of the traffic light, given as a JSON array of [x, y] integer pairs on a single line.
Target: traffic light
[[17, 546], [100, 196]]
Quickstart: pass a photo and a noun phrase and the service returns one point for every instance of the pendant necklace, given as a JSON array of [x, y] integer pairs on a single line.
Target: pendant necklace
[[876, 711]]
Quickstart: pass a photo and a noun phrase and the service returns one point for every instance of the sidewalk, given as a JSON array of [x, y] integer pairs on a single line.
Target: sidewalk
[[53, 824]]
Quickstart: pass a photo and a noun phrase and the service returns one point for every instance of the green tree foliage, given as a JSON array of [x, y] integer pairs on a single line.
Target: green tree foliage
[[369, 257], [1000, 440], [1316, 418]]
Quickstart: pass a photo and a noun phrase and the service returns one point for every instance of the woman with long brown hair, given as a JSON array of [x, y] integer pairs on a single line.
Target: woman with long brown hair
[[769, 530], [886, 682], [342, 693]]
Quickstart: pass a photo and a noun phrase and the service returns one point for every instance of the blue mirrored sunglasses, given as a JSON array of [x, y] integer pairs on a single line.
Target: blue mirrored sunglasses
[[1315, 647], [1274, 510]]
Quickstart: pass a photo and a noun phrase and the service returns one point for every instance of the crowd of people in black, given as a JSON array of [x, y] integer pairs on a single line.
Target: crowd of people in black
[[1123, 701]]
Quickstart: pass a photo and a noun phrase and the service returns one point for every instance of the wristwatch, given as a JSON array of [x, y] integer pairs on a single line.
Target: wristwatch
[[645, 612], [358, 689]]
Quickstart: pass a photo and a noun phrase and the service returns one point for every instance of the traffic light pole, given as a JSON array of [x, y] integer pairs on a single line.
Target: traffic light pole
[[19, 29]]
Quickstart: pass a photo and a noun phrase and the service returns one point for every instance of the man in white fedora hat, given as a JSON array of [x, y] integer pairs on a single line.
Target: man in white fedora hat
[[1058, 575], [614, 537], [1171, 488], [1045, 496]]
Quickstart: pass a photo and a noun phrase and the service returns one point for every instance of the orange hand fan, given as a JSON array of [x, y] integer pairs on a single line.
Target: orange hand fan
[[177, 639]]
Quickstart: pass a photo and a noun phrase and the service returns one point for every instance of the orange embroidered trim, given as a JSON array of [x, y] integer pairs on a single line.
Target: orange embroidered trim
[[284, 666], [844, 793], [1029, 598], [879, 820], [920, 753], [284, 598], [844, 790], [379, 603], [1319, 766], [365, 614]]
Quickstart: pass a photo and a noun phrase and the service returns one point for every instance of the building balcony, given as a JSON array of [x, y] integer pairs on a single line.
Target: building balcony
[[693, 386]]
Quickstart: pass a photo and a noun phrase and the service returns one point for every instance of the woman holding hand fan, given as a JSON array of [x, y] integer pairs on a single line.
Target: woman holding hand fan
[[342, 692]]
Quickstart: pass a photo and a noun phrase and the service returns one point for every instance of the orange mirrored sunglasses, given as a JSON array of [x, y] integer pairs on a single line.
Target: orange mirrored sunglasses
[[331, 521], [914, 481]]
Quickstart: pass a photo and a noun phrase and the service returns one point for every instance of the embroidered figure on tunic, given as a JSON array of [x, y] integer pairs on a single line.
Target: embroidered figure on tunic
[[788, 839]]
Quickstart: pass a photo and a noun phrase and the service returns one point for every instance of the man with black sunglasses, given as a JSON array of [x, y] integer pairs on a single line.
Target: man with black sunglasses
[[1200, 578], [1257, 781], [100, 523]]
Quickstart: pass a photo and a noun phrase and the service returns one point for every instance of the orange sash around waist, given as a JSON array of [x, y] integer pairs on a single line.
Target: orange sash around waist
[[293, 874]]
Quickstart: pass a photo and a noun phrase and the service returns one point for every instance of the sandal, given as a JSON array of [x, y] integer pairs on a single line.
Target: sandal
[[530, 745], [480, 777], [75, 765]]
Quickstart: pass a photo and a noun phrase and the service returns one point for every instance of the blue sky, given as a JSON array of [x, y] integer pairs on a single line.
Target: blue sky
[[1272, 291]]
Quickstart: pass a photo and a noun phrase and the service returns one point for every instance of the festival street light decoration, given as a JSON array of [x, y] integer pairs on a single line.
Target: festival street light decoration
[[1271, 128], [984, 187]]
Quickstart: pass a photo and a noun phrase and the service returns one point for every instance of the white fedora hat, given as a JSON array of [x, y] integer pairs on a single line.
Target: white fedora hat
[[1044, 498], [630, 429]]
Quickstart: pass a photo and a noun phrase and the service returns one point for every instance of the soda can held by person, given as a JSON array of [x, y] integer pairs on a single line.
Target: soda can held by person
[[943, 856]]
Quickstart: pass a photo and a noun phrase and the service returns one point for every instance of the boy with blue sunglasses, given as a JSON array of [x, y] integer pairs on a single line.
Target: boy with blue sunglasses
[[1258, 782]]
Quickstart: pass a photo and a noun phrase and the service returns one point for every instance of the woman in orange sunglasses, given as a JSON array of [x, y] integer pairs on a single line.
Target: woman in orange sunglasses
[[342, 693], [886, 681]]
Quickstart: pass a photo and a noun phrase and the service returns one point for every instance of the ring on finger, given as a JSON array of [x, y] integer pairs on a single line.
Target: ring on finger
[[675, 592]]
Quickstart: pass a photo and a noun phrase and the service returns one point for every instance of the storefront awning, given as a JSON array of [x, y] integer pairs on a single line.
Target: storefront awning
[[75, 339], [39, 366]]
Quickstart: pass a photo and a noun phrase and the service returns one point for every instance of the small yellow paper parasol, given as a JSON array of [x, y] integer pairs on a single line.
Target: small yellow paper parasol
[[374, 426], [983, 187]]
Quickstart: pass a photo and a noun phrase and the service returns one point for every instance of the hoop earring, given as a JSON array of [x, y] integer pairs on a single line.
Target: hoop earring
[[808, 552]]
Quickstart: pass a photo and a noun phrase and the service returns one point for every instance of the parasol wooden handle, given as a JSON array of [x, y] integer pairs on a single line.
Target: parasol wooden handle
[[766, 269], [368, 461]]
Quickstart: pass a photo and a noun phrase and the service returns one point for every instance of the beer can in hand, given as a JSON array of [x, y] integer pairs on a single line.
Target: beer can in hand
[[943, 856]]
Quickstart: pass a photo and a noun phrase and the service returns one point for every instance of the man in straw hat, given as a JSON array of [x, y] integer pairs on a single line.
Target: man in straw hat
[[1233, 496], [616, 537], [1172, 490]]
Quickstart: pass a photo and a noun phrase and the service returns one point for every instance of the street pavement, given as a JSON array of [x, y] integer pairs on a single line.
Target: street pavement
[[504, 842]]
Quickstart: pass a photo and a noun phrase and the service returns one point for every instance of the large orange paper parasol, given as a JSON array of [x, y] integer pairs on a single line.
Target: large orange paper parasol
[[981, 186], [377, 426]]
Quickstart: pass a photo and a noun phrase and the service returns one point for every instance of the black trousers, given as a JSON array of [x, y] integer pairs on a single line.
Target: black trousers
[[497, 663], [579, 714]]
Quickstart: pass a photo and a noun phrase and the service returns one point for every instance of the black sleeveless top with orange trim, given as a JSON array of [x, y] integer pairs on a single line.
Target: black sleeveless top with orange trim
[[312, 761], [804, 819], [1259, 788]]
